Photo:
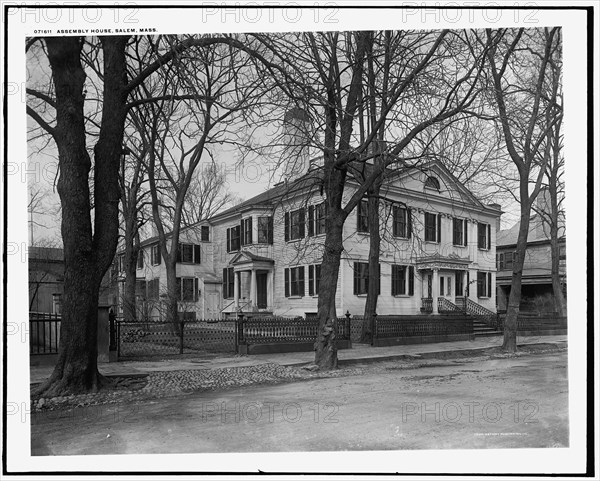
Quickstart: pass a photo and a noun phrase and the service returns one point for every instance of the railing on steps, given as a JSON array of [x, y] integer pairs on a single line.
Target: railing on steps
[[482, 314], [444, 305]]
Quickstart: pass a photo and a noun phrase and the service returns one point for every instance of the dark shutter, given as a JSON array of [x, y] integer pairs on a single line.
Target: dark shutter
[[465, 236], [395, 220], [178, 253], [394, 280], [242, 233], [158, 256], [408, 223], [178, 288], [411, 281], [439, 228], [311, 221], [286, 275], [311, 280], [489, 236], [196, 293], [489, 285], [225, 286], [270, 230], [250, 229], [228, 240], [301, 281], [468, 285], [287, 226], [356, 278], [197, 254], [301, 221]]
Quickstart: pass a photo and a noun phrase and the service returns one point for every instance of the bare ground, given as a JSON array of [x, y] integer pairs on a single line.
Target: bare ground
[[485, 402]]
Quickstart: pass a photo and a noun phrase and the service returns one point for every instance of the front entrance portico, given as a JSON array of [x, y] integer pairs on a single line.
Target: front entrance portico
[[253, 282]]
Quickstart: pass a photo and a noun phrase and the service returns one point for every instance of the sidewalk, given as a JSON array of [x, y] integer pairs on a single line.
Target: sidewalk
[[360, 353]]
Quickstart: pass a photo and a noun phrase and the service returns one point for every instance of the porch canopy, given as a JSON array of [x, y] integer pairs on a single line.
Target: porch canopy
[[261, 292]]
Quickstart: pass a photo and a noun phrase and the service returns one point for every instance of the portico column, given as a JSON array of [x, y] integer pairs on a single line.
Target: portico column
[[435, 290], [465, 287], [270, 288], [253, 288], [236, 290]]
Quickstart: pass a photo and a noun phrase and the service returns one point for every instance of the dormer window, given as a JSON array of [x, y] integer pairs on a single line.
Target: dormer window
[[432, 183]]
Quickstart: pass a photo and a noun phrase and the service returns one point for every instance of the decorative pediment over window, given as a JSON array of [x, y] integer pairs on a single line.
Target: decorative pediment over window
[[437, 261], [248, 260]]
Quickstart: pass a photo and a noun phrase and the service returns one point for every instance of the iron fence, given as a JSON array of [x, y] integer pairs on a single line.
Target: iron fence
[[274, 330], [411, 326], [44, 333]]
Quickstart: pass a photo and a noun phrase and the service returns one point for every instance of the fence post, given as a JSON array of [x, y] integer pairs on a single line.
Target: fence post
[[374, 333], [181, 325], [348, 328], [240, 341], [118, 339]]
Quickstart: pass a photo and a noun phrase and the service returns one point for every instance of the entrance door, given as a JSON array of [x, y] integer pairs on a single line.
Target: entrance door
[[212, 301], [261, 290]]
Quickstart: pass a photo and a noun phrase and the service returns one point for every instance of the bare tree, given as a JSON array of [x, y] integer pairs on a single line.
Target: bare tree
[[89, 204], [520, 69]]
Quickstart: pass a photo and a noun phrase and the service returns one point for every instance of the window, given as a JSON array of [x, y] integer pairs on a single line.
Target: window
[[294, 281], [483, 236], [294, 225], [314, 279], [140, 259], [204, 233], [508, 260], [459, 232], [484, 284], [228, 283], [363, 216], [187, 288], [140, 288], [401, 275], [155, 255], [265, 230], [361, 278], [433, 224], [500, 261], [233, 239], [562, 253], [152, 289], [441, 285], [188, 253], [402, 222], [246, 226], [432, 183], [316, 219]]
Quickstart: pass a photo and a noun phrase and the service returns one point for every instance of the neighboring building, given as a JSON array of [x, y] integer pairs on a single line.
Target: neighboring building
[[264, 255], [46, 281], [536, 289]]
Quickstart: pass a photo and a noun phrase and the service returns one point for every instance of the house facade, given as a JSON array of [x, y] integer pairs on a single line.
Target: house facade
[[263, 256], [537, 294]]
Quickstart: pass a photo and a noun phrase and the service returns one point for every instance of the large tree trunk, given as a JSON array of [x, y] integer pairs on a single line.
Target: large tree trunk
[[173, 293], [514, 300], [368, 327], [87, 255], [559, 300]]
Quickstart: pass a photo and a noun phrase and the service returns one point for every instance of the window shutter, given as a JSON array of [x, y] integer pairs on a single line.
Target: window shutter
[[465, 235], [250, 229], [411, 280], [502, 261], [311, 221], [311, 280], [489, 236], [356, 277], [196, 293], [242, 233], [489, 285], [228, 240], [224, 287], [286, 275], [394, 220], [301, 221], [178, 253], [197, 254], [439, 228], [178, 288], [301, 281], [287, 227], [394, 279], [468, 284], [270, 230], [408, 223], [158, 256]]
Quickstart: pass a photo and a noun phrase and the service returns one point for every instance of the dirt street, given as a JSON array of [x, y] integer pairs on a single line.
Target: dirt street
[[485, 403]]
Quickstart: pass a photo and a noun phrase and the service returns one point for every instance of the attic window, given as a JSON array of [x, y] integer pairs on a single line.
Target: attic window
[[432, 183]]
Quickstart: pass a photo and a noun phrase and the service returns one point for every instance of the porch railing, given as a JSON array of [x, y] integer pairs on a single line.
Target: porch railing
[[426, 304]]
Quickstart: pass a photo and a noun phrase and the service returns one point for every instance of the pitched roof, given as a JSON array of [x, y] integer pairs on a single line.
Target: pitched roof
[[538, 231]]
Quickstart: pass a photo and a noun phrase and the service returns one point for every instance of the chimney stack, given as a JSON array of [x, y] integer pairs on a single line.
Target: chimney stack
[[297, 143]]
